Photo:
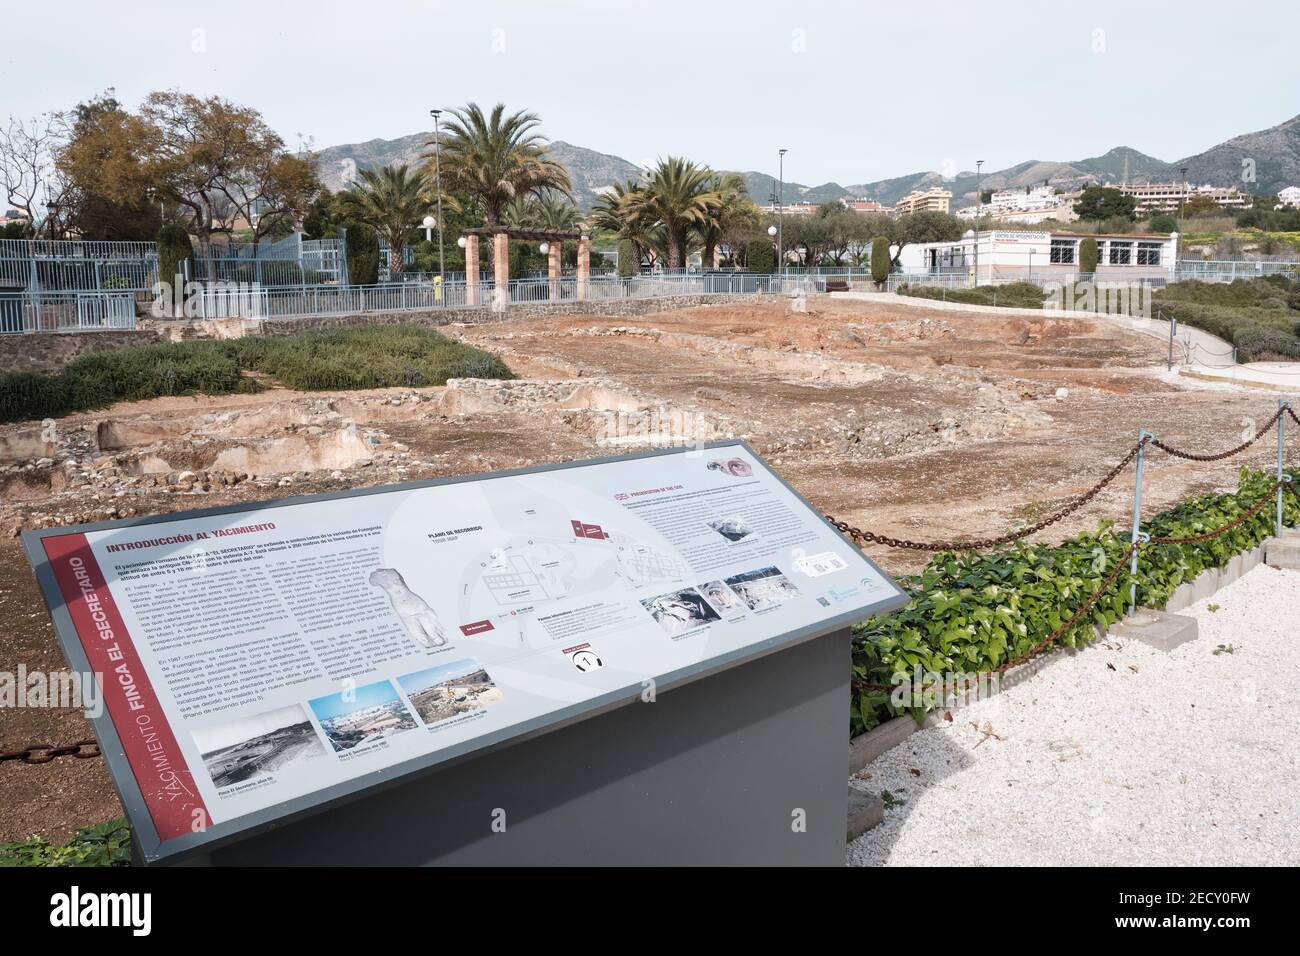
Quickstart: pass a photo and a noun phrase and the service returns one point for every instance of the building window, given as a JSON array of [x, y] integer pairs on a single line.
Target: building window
[[1063, 252], [952, 258], [1121, 253], [1149, 253]]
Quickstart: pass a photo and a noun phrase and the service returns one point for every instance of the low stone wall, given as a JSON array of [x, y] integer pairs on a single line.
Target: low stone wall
[[46, 351], [518, 310]]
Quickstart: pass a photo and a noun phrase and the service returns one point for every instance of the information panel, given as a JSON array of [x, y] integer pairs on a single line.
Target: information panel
[[256, 656]]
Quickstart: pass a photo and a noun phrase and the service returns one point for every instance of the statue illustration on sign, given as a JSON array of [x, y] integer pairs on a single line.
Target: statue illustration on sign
[[417, 617]]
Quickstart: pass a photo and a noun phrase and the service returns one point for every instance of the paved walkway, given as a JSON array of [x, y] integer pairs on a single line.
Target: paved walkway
[[1119, 755], [1196, 353]]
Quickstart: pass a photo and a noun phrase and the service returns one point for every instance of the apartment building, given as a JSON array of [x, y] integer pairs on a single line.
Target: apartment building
[[934, 199], [1168, 197], [864, 205]]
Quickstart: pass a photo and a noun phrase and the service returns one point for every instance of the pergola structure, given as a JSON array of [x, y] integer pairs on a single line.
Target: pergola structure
[[501, 236]]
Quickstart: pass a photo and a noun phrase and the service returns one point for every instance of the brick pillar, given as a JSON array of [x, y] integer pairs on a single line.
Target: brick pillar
[[554, 267], [584, 266], [501, 265], [471, 270]]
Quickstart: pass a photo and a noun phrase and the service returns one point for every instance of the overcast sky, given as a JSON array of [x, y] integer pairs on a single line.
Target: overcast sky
[[726, 84]]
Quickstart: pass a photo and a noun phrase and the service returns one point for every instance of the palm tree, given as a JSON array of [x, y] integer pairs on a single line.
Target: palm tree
[[611, 213], [677, 195], [393, 200], [546, 211], [497, 158], [734, 214]]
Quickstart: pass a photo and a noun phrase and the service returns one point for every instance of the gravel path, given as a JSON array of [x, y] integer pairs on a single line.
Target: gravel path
[[1119, 755]]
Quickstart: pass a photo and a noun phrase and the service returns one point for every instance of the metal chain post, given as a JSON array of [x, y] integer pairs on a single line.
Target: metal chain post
[[1143, 437], [1282, 406]]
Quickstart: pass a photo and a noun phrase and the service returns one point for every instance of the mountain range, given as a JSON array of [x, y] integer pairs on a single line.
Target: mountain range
[[1274, 155]]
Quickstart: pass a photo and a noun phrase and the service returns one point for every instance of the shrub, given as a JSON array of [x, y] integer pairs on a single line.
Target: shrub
[[362, 254], [1250, 313], [972, 612], [880, 261], [1014, 295], [1255, 343], [629, 262], [1088, 256], [760, 256], [108, 844], [1164, 223], [173, 250]]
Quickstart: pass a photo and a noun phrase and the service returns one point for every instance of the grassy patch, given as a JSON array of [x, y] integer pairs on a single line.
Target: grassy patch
[[1273, 243], [369, 356], [1014, 295]]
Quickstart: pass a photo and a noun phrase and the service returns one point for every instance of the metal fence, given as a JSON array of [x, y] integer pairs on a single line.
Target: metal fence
[[1226, 270], [292, 261], [69, 266], [66, 311], [283, 303]]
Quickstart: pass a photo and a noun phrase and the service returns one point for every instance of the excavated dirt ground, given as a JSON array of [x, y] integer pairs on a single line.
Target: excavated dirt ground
[[912, 422]]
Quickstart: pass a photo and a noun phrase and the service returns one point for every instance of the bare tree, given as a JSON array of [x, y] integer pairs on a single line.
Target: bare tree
[[27, 173]]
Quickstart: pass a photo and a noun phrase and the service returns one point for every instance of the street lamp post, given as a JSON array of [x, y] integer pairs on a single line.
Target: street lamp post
[[780, 210], [979, 202], [437, 176], [1182, 193]]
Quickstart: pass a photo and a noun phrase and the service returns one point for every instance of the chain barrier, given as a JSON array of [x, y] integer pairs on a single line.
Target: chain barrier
[[1189, 456], [1241, 519], [870, 537], [1106, 585], [861, 537], [44, 753]]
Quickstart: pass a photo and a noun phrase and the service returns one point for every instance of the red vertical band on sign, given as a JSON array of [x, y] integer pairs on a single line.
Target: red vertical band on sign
[[159, 766]]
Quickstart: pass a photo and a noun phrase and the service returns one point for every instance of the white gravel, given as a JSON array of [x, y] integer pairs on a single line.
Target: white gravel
[[1180, 758]]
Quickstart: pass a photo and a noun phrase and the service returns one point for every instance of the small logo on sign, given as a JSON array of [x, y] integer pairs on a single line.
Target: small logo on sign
[[584, 657]]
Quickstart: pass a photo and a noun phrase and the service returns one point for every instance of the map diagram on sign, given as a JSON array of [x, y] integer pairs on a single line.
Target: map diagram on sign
[[501, 588]]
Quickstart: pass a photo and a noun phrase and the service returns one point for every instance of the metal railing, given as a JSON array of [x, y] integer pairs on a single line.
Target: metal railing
[[283, 303], [1235, 268], [66, 311]]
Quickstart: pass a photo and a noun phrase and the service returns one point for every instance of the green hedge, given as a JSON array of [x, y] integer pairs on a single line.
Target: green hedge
[[972, 612], [760, 256], [367, 356], [362, 254], [1013, 295], [629, 261]]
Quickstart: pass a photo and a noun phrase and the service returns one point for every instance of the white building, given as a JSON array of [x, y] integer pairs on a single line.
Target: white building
[[1289, 197], [1005, 255], [1017, 206], [1016, 200]]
